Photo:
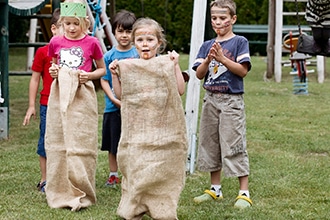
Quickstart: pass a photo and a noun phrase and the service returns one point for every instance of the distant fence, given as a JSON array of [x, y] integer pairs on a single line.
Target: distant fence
[[251, 30]]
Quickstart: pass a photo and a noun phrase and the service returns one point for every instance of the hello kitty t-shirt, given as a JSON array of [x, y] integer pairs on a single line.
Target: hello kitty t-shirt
[[75, 54]]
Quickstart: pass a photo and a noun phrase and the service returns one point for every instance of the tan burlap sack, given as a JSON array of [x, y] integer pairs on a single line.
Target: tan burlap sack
[[153, 146], [71, 142]]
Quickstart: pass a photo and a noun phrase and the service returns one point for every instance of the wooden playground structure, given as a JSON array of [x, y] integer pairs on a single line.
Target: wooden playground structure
[[40, 11]]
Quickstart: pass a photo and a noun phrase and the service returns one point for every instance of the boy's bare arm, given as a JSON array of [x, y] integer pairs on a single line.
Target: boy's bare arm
[[33, 90], [115, 79], [178, 73], [108, 91], [203, 68]]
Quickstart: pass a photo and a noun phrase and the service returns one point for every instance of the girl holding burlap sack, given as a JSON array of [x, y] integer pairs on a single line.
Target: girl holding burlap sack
[[153, 146], [71, 140]]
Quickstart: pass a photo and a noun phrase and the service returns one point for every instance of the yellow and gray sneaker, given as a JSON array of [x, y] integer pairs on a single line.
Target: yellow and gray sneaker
[[207, 196], [242, 202]]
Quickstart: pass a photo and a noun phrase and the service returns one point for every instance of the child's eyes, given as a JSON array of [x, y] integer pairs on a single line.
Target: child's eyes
[[221, 18], [122, 31], [147, 39], [69, 23]]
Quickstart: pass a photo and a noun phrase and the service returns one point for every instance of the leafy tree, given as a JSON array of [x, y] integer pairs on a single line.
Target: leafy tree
[[174, 16], [18, 28]]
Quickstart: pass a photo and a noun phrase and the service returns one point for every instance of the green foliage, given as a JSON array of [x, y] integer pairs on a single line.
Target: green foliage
[[18, 28], [252, 11], [292, 7], [174, 16]]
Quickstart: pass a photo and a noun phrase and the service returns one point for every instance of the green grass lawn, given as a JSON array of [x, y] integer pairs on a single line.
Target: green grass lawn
[[288, 144]]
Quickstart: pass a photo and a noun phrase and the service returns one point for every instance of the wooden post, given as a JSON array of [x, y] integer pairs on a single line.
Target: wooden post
[[270, 39], [4, 88], [55, 4], [107, 26], [112, 8], [32, 39], [278, 41], [193, 88], [320, 63]]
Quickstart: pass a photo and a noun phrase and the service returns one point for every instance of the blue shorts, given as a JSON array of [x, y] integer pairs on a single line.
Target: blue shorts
[[41, 144], [111, 131]]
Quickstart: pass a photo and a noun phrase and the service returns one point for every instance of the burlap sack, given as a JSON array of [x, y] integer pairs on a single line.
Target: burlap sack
[[153, 145], [71, 142]]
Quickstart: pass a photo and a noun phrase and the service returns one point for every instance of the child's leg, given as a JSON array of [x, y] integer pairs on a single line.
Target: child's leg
[[326, 36], [243, 182], [41, 148], [215, 177], [42, 163], [321, 37], [113, 176], [243, 199], [112, 162]]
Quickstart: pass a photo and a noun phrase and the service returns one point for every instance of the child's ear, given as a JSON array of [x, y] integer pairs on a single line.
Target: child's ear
[[159, 45], [233, 19], [53, 29]]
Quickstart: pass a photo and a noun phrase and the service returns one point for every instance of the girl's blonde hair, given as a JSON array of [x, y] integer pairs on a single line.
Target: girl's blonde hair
[[152, 24], [84, 22]]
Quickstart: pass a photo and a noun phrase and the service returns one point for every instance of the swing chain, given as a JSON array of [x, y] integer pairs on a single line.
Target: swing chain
[[297, 13]]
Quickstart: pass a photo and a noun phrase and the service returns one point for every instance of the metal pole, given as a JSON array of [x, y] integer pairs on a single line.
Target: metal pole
[[4, 96]]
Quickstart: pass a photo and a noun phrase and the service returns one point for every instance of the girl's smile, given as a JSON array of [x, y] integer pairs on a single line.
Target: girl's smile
[[123, 37]]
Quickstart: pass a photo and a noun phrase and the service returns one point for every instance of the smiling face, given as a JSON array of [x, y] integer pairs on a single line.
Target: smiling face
[[146, 42], [222, 21], [123, 37]]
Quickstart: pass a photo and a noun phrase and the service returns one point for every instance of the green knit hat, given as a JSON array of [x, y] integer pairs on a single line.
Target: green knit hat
[[71, 9]]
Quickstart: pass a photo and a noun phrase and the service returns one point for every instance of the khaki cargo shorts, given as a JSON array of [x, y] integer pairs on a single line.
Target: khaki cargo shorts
[[222, 135]]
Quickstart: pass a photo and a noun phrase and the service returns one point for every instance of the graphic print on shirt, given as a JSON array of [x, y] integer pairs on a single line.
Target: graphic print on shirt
[[215, 70], [213, 82], [72, 58]]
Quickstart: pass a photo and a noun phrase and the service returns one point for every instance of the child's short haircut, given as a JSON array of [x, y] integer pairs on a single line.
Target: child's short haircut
[[124, 19], [55, 17], [230, 4]]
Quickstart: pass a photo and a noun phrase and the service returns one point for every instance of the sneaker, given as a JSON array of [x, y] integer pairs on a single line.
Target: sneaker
[[242, 202], [41, 186], [207, 196], [112, 181]]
